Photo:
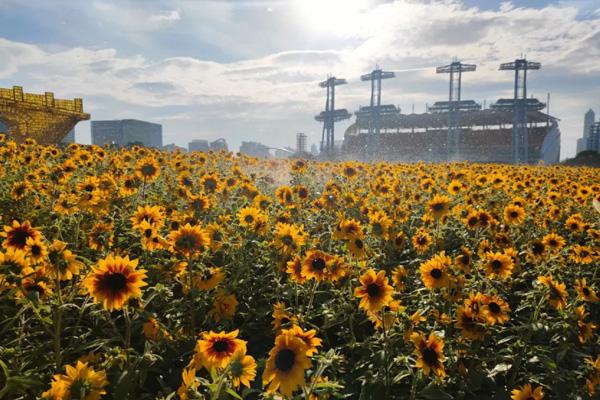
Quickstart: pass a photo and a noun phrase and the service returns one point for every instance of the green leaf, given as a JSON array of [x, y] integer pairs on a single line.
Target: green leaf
[[233, 393]]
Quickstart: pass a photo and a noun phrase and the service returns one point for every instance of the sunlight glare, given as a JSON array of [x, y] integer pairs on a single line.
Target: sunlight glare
[[340, 17]]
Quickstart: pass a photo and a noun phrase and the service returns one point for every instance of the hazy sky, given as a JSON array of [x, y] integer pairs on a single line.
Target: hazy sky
[[249, 69]]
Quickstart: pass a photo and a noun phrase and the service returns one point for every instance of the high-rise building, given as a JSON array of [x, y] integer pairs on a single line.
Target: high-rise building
[[219, 144], [300, 143], [255, 149], [588, 121], [593, 139], [199, 145], [127, 132], [3, 127]]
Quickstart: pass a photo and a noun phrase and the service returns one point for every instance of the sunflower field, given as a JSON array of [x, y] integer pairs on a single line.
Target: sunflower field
[[142, 274]]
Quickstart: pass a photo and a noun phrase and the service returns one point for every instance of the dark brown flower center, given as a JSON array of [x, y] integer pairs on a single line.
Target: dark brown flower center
[[496, 265], [284, 360], [494, 307], [148, 170], [318, 264], [221, 346], [373, 290], [430, 356], [19, 238], [436, 273], [115, 282]]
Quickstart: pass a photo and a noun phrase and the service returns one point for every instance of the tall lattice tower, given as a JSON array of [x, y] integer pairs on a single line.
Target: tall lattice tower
[[455, 106], [330, 116], [520, 133], [375, 109]]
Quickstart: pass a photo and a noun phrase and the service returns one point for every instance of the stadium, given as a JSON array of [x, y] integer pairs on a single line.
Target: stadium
[[486, 136]]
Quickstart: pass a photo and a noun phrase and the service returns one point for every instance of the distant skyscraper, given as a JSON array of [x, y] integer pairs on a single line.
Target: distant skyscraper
[[198, 145], [588, 121], [219, 144], [3, 127], [593, 140], [127, 132], [300, 143], [255, 149]]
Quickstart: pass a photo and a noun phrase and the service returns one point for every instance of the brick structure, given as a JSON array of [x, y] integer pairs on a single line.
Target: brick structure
[[38, 116]]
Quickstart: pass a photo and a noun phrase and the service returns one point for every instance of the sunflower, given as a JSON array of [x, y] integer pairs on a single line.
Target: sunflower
[[430, 353], [248, 216], [399, 275], [387, 316], [337, 268], [282, 318], [309, 338], [554, 242], [242, 368], [17, 233], [289, 238], [434, 272], [421, 240], [557, 294], [153, 215], [147, 169], [114, 280], [199, 202], [349, 229], [294, 270], [585, 292], [380, 224], [586, 329], [455, 187], [80, 381], [514, 215], [582, 254], [224, 306], [495, 310], [61, 261], [219, 348], [189, 240], [357, 247], [438, 206], [527, 393], [189, 385], [153, 330], [315, 265], [463, 260], [374, 292], [129, 185], [20, 190], [498, 265], [208, 280], [284, 370], [211, 183], [101, 236], [469, 324], [36, 250]]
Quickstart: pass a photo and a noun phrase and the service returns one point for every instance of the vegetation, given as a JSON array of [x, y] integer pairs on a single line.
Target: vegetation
[[142, 274]]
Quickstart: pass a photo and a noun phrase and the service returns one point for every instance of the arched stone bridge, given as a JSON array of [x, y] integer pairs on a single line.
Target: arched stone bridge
[[37, 116]]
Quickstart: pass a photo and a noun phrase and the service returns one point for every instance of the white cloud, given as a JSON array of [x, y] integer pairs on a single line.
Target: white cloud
[[409, 37], [166, 16]]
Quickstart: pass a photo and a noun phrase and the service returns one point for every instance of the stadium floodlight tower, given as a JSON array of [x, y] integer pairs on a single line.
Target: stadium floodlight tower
[[330, 116], [376, 76], [520, 133], [454, 136]]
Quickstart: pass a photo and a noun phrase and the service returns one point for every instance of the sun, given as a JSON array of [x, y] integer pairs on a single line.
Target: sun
[[338, 17]]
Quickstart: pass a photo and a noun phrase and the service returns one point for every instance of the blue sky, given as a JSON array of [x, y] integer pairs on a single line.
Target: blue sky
[[248, 69]]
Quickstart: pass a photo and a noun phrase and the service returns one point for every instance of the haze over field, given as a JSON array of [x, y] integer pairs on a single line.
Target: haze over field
[[248, 70]]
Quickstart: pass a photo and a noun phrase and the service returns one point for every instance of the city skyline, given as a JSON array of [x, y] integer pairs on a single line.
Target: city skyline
[[168, 64]]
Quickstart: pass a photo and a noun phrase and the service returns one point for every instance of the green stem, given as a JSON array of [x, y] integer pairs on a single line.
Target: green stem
[[57, 322]]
